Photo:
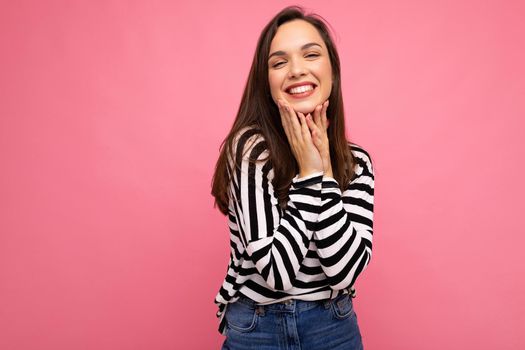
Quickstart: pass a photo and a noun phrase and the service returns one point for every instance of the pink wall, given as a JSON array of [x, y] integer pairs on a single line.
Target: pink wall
[[111, 116]]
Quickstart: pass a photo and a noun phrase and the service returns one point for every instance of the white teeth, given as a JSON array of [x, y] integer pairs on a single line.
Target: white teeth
[[301, 89]]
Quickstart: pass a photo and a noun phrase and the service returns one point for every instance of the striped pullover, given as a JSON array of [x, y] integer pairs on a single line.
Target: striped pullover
[[314, 249]]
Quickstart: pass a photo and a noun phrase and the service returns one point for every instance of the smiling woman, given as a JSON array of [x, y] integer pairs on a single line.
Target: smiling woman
[[298, 195], [299, 72]]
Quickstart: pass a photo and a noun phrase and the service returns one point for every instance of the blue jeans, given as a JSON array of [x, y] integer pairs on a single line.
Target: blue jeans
[[293, 325]]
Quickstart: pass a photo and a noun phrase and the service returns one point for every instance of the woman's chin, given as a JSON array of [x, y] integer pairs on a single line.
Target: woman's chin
[[304, 110], [304, 107]]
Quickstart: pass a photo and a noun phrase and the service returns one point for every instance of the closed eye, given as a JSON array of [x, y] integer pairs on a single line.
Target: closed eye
[[309, 55]]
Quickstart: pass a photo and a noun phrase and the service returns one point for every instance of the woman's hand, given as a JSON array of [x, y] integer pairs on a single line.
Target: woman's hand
[[318, 127], [300, 139]]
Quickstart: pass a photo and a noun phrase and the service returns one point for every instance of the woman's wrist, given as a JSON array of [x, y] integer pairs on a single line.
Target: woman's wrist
[[329, 172], [327, 165], [309, 172]]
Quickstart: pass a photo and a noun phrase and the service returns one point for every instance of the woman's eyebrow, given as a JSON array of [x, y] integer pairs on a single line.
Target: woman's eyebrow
[[282, 53]]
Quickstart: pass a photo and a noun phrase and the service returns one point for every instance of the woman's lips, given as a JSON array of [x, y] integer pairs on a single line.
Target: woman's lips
[[302, 94]]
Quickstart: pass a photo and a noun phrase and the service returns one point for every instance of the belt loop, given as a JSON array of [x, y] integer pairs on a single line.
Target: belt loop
[[327, 302], [259, 310]]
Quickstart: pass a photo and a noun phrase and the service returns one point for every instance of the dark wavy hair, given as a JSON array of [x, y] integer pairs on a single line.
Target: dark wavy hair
[[258, 110]]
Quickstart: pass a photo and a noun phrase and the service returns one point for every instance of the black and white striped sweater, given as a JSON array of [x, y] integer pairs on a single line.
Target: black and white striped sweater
[[312, 250]]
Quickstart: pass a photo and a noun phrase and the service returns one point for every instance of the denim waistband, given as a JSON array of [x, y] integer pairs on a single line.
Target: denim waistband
[[291, 305]]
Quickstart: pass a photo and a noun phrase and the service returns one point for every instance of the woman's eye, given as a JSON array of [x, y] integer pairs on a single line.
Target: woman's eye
[[276, 65]]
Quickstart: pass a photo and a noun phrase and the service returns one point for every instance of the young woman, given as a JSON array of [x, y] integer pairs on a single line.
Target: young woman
[[298, 196]]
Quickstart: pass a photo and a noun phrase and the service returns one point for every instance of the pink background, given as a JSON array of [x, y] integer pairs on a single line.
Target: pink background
[[111, 118]]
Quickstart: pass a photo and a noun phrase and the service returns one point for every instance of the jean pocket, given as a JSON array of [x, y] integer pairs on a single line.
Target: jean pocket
[[342, 306], [241, 317]]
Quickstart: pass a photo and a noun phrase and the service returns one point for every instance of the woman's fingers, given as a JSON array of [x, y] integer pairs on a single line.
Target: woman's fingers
[[323, 115], [311, 123], [295, 126], [299, 127], [317, 116], [305, 130], [314, 129], [291, 133]]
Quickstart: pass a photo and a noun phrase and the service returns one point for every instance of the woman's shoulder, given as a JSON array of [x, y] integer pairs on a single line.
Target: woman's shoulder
[[247, 132], [247, 138], [249, 144], [361, 154], [358, 150]]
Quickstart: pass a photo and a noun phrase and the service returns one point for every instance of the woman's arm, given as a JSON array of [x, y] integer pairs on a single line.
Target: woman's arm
[[344, 232], [276, 242]]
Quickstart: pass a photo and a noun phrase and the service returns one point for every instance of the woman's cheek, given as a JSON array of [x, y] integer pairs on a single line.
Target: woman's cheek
[[272, 80]]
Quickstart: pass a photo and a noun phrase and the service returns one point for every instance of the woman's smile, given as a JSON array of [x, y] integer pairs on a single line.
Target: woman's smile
[[301, 91]]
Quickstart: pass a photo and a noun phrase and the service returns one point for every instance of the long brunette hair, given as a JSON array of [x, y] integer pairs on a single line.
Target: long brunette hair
[[259, 111]]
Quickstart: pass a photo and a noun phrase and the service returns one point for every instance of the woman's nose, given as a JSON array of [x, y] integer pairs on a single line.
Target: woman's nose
[[297, 68]]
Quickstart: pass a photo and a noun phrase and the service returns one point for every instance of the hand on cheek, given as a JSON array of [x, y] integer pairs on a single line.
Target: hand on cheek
[[318, 126]]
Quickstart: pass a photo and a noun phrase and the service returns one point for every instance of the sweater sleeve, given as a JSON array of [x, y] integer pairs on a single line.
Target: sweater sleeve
[[275, 240], [345, 226]]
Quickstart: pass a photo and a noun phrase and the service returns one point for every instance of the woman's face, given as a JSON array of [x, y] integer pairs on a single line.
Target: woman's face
[[298, 55]]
